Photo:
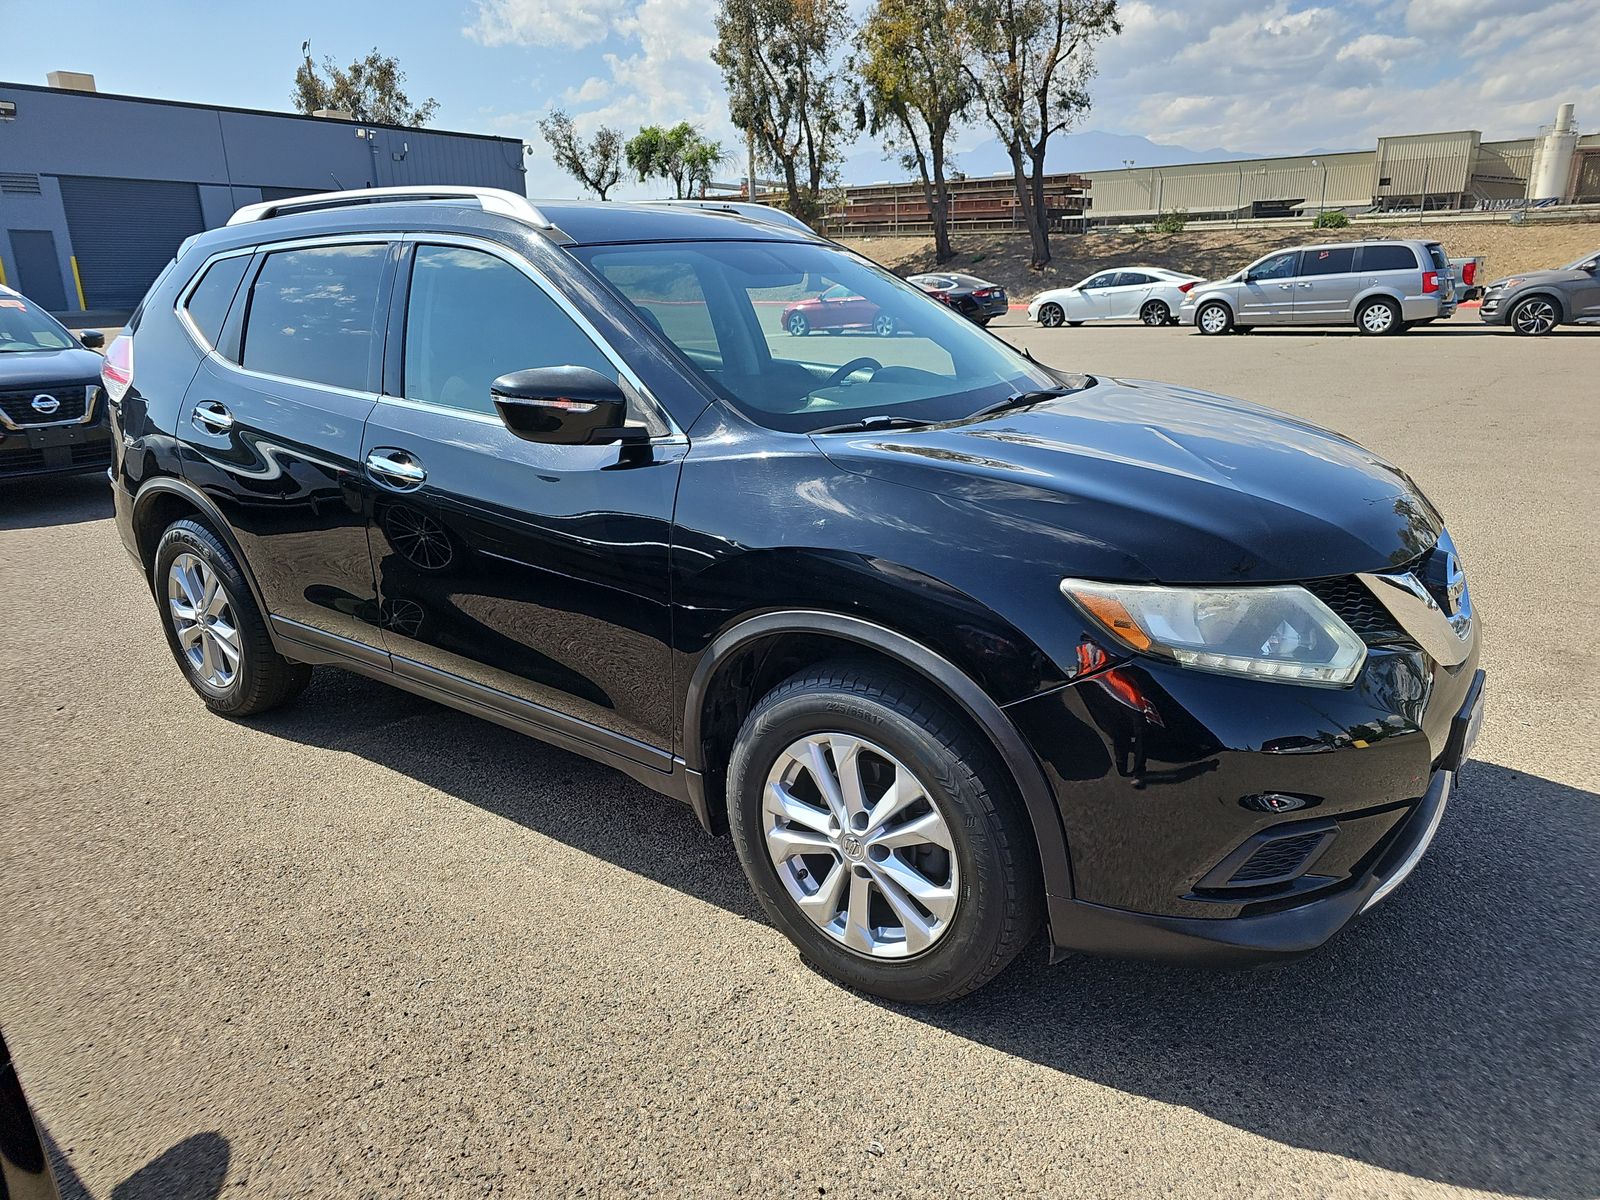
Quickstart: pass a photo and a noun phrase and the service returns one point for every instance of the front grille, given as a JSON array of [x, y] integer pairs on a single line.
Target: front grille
[[59, 458], [17, 404], [1355, 605], [1277, 860]]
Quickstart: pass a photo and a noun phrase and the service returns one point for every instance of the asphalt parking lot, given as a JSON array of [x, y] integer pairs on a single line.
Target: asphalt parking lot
[[367, 946]]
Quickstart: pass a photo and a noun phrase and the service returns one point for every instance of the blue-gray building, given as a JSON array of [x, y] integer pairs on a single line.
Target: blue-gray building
[[97, 190]]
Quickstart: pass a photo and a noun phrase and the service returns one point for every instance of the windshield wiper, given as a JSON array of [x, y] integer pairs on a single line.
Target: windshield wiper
[[1023, 399], [876, 421]]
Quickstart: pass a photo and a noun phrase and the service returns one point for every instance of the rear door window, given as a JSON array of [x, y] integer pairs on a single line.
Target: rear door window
[[312, 314], [1441, 261], [1334, 260], [1388, 258], [1133, 279], [208, 304]]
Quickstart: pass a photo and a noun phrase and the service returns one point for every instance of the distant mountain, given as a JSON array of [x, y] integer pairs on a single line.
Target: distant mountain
[[1088, 150]]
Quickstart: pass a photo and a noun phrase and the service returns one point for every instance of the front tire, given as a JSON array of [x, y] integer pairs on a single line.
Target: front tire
[[215, 631], [881, 834], [797, 325], [884, 325], [1052, 316], [1214, 318], [1534, 317]]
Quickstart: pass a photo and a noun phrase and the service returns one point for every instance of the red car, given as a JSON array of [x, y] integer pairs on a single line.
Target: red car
[[836, 309]]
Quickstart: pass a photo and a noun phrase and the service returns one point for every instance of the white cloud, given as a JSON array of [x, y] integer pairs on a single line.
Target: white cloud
[[573, 23], [1379, 49]]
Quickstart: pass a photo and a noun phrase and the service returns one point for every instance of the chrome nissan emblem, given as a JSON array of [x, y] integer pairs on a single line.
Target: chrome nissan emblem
[[852, 847], [44, 404], [1455, 584]]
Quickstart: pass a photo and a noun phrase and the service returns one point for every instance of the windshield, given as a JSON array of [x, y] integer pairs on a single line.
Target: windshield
[[24, 327], [801, 336]]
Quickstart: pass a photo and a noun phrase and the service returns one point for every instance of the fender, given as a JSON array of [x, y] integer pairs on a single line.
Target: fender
[[170, 485], [956, 685]]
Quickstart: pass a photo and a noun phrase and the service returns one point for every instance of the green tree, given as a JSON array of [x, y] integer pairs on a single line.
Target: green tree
[[910, 63], [679, 154], [596, 163], [1029, 65], [781, 61], [368, 89]]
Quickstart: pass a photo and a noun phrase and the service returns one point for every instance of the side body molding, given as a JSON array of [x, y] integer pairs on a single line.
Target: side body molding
[[956, 684]]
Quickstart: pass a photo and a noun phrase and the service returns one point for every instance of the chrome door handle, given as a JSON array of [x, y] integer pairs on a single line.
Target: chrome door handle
[[1284, 287], [396, 467], [1305, 285], [211, 417]]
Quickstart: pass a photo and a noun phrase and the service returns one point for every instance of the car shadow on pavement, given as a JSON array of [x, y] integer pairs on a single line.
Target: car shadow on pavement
[[193, 1169], [47, 501], [1453, 1035]]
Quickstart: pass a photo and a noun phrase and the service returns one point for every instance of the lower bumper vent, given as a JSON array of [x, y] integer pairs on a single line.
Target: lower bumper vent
[[1274, 856]]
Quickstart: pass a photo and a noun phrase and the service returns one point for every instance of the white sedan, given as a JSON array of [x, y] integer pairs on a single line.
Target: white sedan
[[1148, 294]]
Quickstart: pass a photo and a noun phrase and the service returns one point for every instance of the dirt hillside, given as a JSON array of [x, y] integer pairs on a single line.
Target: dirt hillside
[[1003, 258]]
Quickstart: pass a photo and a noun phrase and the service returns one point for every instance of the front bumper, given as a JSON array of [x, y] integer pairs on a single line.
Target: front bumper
[[1493, 308], [1157, 820], [33, 450]]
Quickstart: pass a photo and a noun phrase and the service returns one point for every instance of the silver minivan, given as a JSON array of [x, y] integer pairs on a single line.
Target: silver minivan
[[1378, 286]]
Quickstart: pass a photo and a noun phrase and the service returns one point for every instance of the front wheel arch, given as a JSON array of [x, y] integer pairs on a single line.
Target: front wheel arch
[[1549, 297], [749, 658]]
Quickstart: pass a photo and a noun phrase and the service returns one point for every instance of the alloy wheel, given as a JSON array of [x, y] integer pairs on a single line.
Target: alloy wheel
[[1051, 316], [1155, 313], [203, 619], [798, 325], [860, 845], [1377, 318], [1213, 318], [883, 325], [1534, 317]]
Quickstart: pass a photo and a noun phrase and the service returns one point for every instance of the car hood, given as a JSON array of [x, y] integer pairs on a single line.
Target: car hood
[[49, 368], [1131, 480], [1552, 276]]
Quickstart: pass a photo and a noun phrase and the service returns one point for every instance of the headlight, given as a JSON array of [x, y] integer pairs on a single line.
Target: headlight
[[1501, 285], [1278, 632]]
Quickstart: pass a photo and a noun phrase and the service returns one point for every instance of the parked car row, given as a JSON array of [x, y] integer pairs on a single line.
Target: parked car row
[[1380, 286]]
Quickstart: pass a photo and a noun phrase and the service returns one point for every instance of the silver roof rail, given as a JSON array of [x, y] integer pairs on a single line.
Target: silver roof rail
[[765, 213], [492, 200]]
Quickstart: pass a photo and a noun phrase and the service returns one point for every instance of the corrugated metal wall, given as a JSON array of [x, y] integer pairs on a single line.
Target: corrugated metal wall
[[1440, 163], [1213, 188]]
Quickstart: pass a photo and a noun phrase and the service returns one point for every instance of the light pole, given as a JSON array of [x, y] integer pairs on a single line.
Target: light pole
[[1317, 162], [1161, 190]]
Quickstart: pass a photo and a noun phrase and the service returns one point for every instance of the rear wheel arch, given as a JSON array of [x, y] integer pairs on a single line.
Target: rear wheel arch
[[163, 500], [747, 660]]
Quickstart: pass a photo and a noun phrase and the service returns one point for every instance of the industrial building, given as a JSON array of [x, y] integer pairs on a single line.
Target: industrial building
[[1443, 172], [97, 190]]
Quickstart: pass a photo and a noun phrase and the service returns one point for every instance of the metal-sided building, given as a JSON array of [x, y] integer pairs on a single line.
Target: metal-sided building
[[98, 190]]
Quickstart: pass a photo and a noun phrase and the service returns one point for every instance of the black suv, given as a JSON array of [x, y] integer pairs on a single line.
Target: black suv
[[51, 417], [953, 644]]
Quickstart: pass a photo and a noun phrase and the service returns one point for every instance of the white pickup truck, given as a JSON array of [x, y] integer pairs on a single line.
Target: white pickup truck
[[1468, 274]]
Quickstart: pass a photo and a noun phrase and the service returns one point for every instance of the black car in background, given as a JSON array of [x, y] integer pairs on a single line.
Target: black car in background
[[1533, 303], [51, 419], [952, 643], [973, 298]]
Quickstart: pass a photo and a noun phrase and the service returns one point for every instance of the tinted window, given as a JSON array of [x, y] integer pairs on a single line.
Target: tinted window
[[1335, 260], [472, 317], [208, 303], [1133, 279], [1441, 260], [1388, 258], [1279, 266], [312, 312]]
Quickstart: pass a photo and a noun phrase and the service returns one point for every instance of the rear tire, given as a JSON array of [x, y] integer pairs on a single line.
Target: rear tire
[[1214, 318], [970, 856], [1378, 317], [1052, 316], [1155, 312], [215, 631]]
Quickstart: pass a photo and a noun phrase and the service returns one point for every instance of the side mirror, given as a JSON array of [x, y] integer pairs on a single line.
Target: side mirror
[[1246, 277], [92, 339], [563, 406]]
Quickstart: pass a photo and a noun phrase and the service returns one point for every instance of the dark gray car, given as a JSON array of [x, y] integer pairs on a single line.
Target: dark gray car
[[1535, 302]]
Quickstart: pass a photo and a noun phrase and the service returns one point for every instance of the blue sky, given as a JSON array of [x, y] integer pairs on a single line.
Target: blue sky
[[1281, 75]]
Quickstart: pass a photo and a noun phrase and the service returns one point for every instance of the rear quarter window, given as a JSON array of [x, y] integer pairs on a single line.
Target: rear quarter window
[[1388, 258], [207, 306], [1441, 260]]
